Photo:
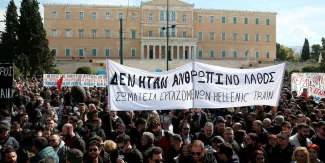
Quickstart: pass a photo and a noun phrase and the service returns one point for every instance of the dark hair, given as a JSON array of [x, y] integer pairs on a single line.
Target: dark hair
[[123, 139], [96, 138], [5, 113], [40, 143], [95, 143], [154, 151], [226, 148], [302, 125], [75, 156], [217, 140], [140, 121], [4, 151]]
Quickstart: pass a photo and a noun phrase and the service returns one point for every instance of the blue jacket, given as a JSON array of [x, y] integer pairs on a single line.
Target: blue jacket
[[46, 152]]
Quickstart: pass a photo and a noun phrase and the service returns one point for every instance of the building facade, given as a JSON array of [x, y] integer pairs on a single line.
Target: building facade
[[92, 32]]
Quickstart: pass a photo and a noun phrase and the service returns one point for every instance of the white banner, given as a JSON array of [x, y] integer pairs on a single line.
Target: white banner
[[314, 82], [70, 80], [194, 85]]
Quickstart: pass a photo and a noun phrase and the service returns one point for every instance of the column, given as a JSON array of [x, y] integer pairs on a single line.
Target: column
[[142, 51], [159, 51], [184, 52], [154, 51], [148, 48], [190, 52], [172, 52], [177, 52], [194, 52]]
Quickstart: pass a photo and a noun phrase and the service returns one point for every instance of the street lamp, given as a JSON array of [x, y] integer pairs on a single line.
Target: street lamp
[[168, 58]]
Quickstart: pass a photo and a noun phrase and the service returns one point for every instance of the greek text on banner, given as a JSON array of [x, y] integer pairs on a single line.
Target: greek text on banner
[[194, 85], [70, 80]]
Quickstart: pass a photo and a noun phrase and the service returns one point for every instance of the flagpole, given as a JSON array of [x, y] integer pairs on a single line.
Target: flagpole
[[109, 96]]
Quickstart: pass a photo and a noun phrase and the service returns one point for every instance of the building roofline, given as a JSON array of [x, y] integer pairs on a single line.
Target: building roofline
[[138, 7]]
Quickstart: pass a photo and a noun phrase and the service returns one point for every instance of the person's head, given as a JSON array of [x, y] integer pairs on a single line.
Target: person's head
[[67, 130], [23, 117], [313, 150], [272, 140], [123, 143], [39, 143], [305, 90], [47, 132], [97, 123], [303, 130], [4, 131], [300, 154], [283, 138], [216, 140], [267, 123], [186, 149], [47, 159], [286, 126], [155, 155], [252, 139], [208, 129], [186, 128], [141, 124], [301, 118], [236, 126], [198, 150], [121, 128], [74, 156], [110, 146], [321, 128], [176, 141], [225, 151], [257, 125], [82, 107], [220, 124], [147, 139], [9, 155], [155, 127], [228, 134], [50, 123], [258, 156], [54, 140], [94, 149]]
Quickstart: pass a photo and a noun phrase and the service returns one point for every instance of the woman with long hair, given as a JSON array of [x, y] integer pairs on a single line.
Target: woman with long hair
[[252, 144], [258, 157], [185, 156], [300, 155], [313, 150]]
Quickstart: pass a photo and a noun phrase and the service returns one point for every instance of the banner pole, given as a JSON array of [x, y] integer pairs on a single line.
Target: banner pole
[[109, 96], [193, 83]]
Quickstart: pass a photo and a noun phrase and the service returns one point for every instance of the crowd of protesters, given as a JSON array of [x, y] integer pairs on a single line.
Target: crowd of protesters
[[45, 127]]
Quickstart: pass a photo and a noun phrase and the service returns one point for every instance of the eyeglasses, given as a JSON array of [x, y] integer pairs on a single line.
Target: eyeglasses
[[92, 149], [186, 128], [197, 153]]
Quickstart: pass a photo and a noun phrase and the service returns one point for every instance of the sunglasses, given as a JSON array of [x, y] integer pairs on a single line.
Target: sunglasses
[[92, 149], [197, 153], [51, 141]]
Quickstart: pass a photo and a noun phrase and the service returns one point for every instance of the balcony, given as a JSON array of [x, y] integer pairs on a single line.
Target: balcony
[[172, 40]]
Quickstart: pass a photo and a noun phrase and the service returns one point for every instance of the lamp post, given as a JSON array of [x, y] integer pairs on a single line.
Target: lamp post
[[167, 28]]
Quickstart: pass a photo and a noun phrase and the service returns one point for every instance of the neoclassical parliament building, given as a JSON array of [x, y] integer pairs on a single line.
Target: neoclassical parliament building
[[92, 32]]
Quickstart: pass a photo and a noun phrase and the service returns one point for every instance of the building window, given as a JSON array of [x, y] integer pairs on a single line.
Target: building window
[[120, 15], [234, 20], [184, 18], [133, 52], [200, 18], [223, 20], [246, 54], [53, 14], [53, 52], [161, 33], [150, 16], [94, 15], [107, 15], [81, 33], [256, 21], [223, 36], [94, 33], [162, 16], [174, 32], [235, 36], [223, 54], [94, 52], [267, 54], [107, 33], [54, 33], [200, 35], [173, 15], [257, 37], [246, 21], [67, 52], [68, 33], [200, 54], [133, 34], [211, 19], [212, 54], [246, 37], [150, 33], [81, 15], [235, 54], [267, 38], [211, 35], [81, 52], [184, 34], [107, 52], [257, 54], [133, 16], [267, 22], [67, 15]]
